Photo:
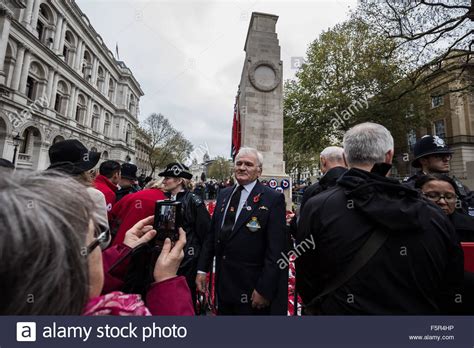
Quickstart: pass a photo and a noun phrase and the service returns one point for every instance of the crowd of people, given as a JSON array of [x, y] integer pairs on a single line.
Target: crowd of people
[[209, 189], [79, 240]]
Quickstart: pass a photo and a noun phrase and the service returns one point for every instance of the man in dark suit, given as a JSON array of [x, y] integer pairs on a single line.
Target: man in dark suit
[[248, 239]]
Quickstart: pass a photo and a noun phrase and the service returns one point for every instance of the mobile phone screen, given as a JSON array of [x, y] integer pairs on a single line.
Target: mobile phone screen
[[167, 220]]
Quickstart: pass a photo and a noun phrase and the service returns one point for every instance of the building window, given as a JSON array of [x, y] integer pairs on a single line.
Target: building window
[[78, 117], [60, 105], [45, 22], [9, 64], [35, 81], [69, 45], [128, 134], [66, 54], [87, 66], [439, 129], [95, 123], [437, 101], [40, 30], [80, 109], [111, 90], [100, 79], [57, 104], [31, 87], [107, 125], [95, 118], [24, 147]]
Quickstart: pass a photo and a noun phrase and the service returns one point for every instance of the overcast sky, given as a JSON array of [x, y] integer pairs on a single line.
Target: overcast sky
[[188, 54]]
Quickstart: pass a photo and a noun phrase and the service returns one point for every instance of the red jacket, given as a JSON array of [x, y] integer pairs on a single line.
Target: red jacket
[[104, 185], [169, 297], [131, 209]]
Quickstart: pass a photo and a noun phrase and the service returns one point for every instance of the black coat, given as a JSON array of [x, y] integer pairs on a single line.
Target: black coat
[[246, 260], [464, 225], [196, 223], [328, 180], [417, 270]]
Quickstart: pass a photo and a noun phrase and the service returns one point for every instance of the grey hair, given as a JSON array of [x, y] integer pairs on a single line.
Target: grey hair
[[367, 143], [44, 224], [250, 151], [333, 153]]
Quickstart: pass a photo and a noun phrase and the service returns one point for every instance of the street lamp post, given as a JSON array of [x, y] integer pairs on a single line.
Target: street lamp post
[[16, 143]]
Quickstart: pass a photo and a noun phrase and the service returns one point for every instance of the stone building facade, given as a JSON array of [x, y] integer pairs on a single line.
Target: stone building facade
[[58, 80]]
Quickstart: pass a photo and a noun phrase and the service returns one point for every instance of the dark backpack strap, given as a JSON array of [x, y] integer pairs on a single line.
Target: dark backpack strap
[[365, 253]]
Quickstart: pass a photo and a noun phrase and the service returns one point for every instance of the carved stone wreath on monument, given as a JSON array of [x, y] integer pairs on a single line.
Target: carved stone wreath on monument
[[264, 76]]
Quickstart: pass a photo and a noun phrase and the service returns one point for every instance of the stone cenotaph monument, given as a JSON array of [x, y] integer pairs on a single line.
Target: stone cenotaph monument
[[261, 100]]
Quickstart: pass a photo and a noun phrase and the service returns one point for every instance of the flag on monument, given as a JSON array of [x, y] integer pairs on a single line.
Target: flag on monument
[[236, 129]]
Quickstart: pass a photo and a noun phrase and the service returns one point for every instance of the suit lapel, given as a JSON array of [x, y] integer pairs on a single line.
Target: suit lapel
[[245, 214]]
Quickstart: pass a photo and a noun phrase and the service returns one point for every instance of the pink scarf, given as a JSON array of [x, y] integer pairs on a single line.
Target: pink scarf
[[117, 303]]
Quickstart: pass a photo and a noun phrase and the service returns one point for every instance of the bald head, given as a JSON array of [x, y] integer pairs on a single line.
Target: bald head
[[331, 157]]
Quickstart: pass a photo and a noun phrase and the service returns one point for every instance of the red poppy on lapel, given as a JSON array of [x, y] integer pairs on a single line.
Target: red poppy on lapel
[[256, 199]]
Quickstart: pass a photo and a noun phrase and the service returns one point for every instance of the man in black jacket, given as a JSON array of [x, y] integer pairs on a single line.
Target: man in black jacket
[[418, 269], [248, 237], [332, 167]]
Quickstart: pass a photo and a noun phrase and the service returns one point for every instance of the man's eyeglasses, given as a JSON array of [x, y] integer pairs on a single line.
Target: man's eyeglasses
[[102, 238], [436, 196]]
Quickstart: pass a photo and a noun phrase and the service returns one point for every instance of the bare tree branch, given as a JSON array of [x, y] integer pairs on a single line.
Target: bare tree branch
[[444, 5]]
